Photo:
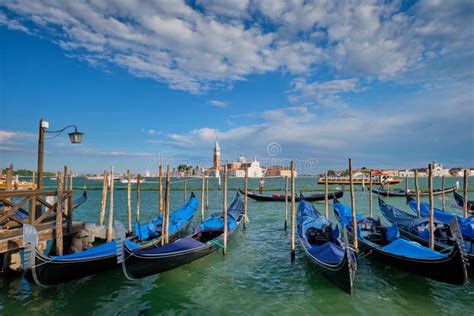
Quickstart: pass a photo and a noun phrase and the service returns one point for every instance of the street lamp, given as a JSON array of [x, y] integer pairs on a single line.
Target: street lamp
[[75, 137]]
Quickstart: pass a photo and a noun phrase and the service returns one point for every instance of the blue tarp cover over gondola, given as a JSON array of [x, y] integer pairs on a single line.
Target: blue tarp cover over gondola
[[397, 246], [178, 218], [308, 217], [215, 222], [466, 224]]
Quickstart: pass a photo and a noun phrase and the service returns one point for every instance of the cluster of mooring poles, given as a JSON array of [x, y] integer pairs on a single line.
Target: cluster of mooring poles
[[163, 200], [355, 245]]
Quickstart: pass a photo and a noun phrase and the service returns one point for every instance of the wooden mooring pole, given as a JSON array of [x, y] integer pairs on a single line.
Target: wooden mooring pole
[[326, 196], [160, 179], [353, 207], [129, 201], [430, 185], [443, 196], [185, 185], [59, 215], [165, 231], [465, 193], [246, 198], [9, 179], [286, 202], [202, 198], [293, 212], [103, 200], [137, 215], [225, 210], [406, 184], [371, 203], [110, 229], [65, 183], [207, 193], [417, 189]]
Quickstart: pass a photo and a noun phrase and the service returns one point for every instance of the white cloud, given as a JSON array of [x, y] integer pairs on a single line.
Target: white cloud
[[322, 93], [11, 137], [218, 42], [219, 103], [376, 136], [152, 132], [234, 8]]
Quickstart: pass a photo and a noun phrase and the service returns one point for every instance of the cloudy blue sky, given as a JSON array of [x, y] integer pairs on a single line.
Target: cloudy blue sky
[[389, 84]]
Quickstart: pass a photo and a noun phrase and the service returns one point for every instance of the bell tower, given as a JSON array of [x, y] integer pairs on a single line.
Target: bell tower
[[217, 155]]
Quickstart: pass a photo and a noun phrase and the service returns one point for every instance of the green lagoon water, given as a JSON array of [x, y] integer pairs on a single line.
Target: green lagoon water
[[255, 278]]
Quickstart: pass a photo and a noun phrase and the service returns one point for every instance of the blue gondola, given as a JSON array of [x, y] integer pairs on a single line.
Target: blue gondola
[[206, 239], [417, 229], [385, 244], [50, 270], [466, 224], [322, 243]]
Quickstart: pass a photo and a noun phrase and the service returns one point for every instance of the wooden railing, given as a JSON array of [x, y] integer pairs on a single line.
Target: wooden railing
[[38, 209]]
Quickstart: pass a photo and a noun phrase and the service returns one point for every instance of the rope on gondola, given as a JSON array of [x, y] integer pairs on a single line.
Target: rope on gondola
[[366, 254], [215, 242]]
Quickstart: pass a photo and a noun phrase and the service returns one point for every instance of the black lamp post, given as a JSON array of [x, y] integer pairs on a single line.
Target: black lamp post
[[75, 137]]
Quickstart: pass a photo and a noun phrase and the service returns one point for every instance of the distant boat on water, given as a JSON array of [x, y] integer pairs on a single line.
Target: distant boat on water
[[101, 177], [133, 180], [376, 180]]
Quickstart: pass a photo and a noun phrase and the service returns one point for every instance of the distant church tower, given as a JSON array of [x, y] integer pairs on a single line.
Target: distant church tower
[[217, 155]]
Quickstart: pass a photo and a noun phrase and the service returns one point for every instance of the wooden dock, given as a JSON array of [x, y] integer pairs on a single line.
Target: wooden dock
[[39, 209]]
